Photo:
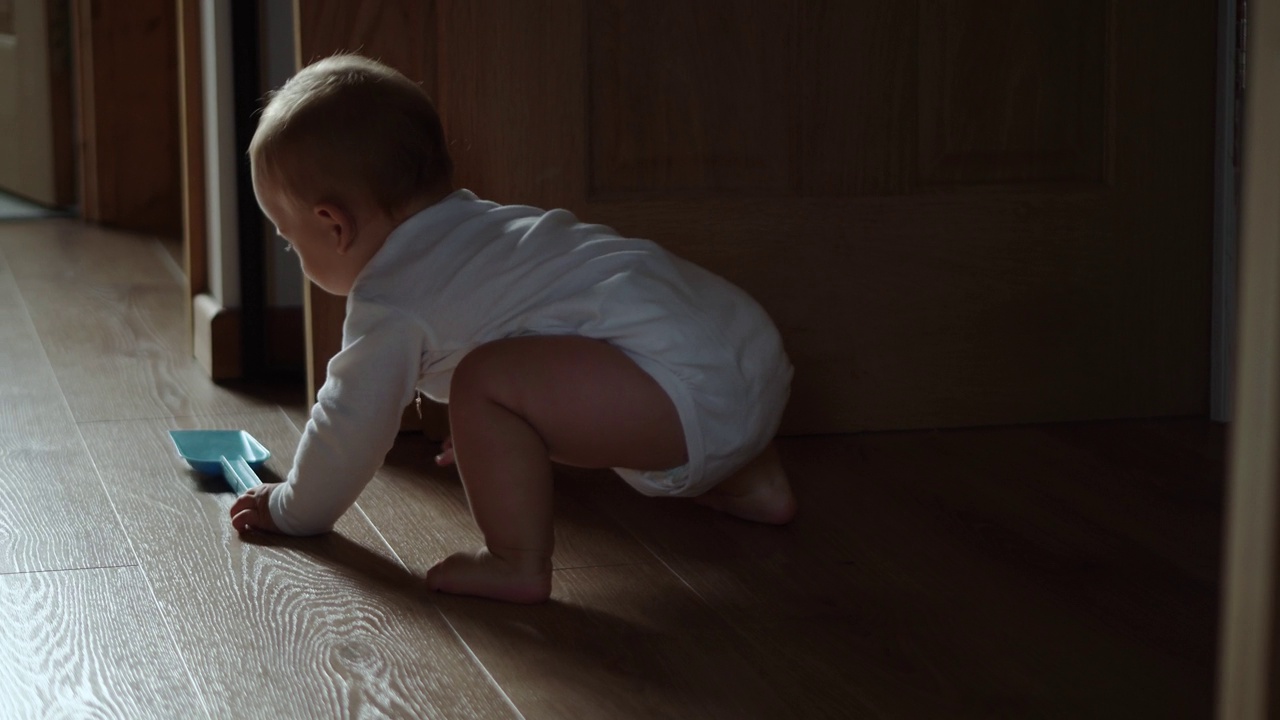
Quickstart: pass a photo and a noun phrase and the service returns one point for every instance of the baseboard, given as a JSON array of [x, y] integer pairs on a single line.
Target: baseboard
[[216, 338]]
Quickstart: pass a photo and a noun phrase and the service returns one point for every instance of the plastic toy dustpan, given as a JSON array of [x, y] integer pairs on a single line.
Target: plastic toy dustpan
[[234, 454]]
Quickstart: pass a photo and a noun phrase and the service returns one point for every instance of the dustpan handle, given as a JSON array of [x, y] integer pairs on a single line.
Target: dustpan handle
[[239, 474]]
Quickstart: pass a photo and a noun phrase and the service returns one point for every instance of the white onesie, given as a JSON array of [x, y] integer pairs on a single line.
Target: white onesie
[[465, 272]]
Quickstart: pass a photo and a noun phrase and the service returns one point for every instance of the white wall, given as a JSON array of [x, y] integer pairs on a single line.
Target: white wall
[[220, 153]]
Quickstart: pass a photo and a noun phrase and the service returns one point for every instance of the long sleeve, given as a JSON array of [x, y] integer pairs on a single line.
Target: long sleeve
[[354, 421]]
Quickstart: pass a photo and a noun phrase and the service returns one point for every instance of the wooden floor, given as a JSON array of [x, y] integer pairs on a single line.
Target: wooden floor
[[1063, 571]]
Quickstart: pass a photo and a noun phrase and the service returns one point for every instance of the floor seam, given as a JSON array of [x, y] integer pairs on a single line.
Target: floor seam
[[10, 573]]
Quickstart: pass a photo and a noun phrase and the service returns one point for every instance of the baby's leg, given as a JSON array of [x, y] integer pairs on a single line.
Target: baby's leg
[[515, 406], [758, 492]]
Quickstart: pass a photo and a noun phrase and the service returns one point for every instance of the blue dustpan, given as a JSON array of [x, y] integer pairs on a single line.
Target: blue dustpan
[[234, 454]]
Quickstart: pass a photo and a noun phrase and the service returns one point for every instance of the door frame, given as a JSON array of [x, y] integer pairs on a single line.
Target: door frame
[[1250, 621], [210, 212]]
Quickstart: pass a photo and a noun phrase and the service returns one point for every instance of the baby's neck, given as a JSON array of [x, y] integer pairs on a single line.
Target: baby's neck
[[422, 202], [378, 226]]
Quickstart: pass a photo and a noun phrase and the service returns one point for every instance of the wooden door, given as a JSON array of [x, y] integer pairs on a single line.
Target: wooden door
[[36, 158], [127, 102], [959, 212]]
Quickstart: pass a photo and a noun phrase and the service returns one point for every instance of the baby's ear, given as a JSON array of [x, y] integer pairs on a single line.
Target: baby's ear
[[339, 225]]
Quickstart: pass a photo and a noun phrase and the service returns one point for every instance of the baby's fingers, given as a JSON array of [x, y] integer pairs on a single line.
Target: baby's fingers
[[250, 511], [245, 520], [244, 502], [445, 458]]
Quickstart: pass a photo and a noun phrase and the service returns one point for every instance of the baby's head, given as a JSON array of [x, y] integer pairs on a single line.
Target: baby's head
[[346, 150]]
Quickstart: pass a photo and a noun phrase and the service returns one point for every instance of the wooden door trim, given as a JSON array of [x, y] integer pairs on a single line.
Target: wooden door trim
[[191, 121], [1251, 607], [210, 220]]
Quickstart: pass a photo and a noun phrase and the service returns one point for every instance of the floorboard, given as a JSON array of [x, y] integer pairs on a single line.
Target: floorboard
[[955, 574], [88, 644], [319, 627], [422, 510], [107, 308], [624, 641], [53, 509], [622, 637]]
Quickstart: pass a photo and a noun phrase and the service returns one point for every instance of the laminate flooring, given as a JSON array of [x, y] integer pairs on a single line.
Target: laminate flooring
[[1054, 571]]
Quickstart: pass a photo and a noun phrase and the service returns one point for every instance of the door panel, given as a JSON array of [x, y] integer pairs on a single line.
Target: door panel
[[959, 212], [36, 159], [1012, 91], [706, 126]]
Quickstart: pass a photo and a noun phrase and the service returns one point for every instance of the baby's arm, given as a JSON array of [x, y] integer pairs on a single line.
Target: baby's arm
[[352, 426]]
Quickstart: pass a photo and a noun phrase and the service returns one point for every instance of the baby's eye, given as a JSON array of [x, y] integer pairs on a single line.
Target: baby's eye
[[288, 247]]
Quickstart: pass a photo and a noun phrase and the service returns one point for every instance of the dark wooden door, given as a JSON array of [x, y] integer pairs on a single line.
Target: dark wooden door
[[959, 212]]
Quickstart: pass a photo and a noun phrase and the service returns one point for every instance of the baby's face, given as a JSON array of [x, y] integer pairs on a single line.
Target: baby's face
[[313, 233]]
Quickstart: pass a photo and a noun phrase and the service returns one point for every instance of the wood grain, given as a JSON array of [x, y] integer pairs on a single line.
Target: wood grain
[[89, 644], [675, 97], [857, 135], [507, 45], [1013, 92], [45, 471], [338, 616]]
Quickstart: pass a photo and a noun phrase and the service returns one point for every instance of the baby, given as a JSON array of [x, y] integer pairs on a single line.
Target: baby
[[550, 339]]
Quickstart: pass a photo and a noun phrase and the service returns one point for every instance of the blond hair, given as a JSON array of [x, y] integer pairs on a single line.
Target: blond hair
[[349, 129]]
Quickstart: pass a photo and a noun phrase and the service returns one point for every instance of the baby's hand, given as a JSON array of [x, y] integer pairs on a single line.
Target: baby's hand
[[250, 511], [445, 457]]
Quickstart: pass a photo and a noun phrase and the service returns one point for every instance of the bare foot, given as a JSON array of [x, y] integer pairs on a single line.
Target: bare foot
[[759, 492], [484, 574]]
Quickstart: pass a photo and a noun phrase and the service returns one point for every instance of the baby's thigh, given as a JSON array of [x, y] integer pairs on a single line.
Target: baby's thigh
[[590, 403]]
